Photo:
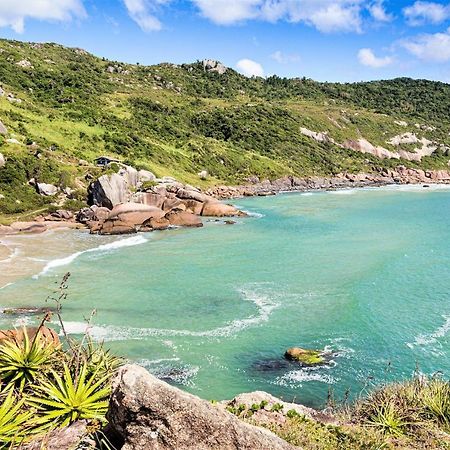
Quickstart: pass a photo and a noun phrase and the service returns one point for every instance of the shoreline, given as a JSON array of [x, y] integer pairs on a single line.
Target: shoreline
[[33, 250]]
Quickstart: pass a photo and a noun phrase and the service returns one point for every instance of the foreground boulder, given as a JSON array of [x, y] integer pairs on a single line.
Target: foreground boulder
[[146, 413], [218, 209]]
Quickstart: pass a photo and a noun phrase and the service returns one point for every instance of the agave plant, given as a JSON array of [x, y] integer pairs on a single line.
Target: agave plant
[[66, 399], [100, 360], [21, 362], [12, 420]]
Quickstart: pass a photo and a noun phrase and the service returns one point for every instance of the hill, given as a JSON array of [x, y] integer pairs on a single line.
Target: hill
[[63, 107]]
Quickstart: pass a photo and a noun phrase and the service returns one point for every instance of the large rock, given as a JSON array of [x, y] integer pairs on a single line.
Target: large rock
[[191, 195], [217, 209], [146, 413], [180, 218], [63, 438], [212, 65], [3, 129], [2, 161], [109, 191], [146, 175], [47, 189], [113, 227], [149, 198], [130, 174], [124, 209]]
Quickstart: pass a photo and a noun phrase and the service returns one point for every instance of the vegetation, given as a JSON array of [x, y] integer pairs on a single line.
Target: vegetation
[[180, 119], [46, 385]]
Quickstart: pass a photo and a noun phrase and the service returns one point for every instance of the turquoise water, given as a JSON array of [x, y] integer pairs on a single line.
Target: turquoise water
[[362, 273]]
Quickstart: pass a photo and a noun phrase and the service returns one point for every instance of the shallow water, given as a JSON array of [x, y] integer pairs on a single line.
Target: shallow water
[[362, 273]]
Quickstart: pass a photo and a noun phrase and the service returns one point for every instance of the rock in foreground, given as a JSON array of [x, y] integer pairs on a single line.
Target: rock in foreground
[[146, 413]]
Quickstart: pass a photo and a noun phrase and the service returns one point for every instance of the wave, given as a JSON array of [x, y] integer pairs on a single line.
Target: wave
[[432, 338], [14, 253], [264, 304], [296, 377], [128, 242], [343, 191], [5, 286], [183, 374]]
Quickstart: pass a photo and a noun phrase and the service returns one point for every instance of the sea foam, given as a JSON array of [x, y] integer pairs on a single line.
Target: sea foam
[[432, 338], [128, 242], [264, 303]]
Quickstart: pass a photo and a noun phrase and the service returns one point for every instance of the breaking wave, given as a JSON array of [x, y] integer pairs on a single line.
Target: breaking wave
[[128, 242], [264, 303], [432, 338]]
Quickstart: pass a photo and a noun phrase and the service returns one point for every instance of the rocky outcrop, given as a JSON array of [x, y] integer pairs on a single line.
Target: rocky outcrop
[[180, 218], [379, 177], [109, 191], [211, 65], [146, 413], [67, 438], [2, 161], [46, 189], [217, 209], [3, 129]]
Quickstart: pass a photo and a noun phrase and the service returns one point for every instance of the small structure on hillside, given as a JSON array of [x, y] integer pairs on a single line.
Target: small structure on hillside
[[104, 161]]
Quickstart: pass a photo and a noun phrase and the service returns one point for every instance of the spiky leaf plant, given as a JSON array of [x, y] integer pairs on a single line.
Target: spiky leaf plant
[[21, 362], [12, 420], [61, 400], [435, 397]]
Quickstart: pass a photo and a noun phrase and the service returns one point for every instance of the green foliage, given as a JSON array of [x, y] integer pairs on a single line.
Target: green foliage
[[388, 420], [22, 362], [180, 120], [436, 400], [13, 419], [62, 400]]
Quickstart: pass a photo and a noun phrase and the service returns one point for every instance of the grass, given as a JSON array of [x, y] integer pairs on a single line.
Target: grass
[[180, 120]]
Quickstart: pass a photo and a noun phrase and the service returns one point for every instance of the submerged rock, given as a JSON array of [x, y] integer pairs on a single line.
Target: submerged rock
[[146, 413], [305, 357]]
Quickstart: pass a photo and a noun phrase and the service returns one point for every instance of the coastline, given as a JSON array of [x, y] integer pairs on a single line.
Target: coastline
[[26, 254]]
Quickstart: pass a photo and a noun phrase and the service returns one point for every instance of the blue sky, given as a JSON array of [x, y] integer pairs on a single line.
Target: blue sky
[[333, 40]]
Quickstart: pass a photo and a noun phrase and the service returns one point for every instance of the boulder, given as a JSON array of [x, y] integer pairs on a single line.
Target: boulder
[[157, 224], [180, 218], [149, 198], [63, 438], [130, 174], [211, 65], [5, 230], [29, 227], [46, 189], [120, 211], [85, 215], [170, 203], [193, 206], [2, 161], [146, 413], [146, 175], [113, 227], [44, 334], [3, 129], [185, 194], [217, 209], [305, 357], [109, 191]]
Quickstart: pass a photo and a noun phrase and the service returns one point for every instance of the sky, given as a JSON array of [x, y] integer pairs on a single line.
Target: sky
[[327, 40]]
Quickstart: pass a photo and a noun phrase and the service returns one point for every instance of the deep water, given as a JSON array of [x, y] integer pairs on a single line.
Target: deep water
[[364, 274]]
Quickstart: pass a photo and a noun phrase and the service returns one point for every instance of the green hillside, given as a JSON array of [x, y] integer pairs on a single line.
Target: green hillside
[[179, 120]]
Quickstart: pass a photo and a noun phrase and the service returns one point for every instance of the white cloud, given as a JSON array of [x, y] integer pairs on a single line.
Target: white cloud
[[283, 58], [422, 12], [13, 13], [326, 15], [430, 47], [378, 12], [367, 58], [143, 13], [227, 12], [250, 68]]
